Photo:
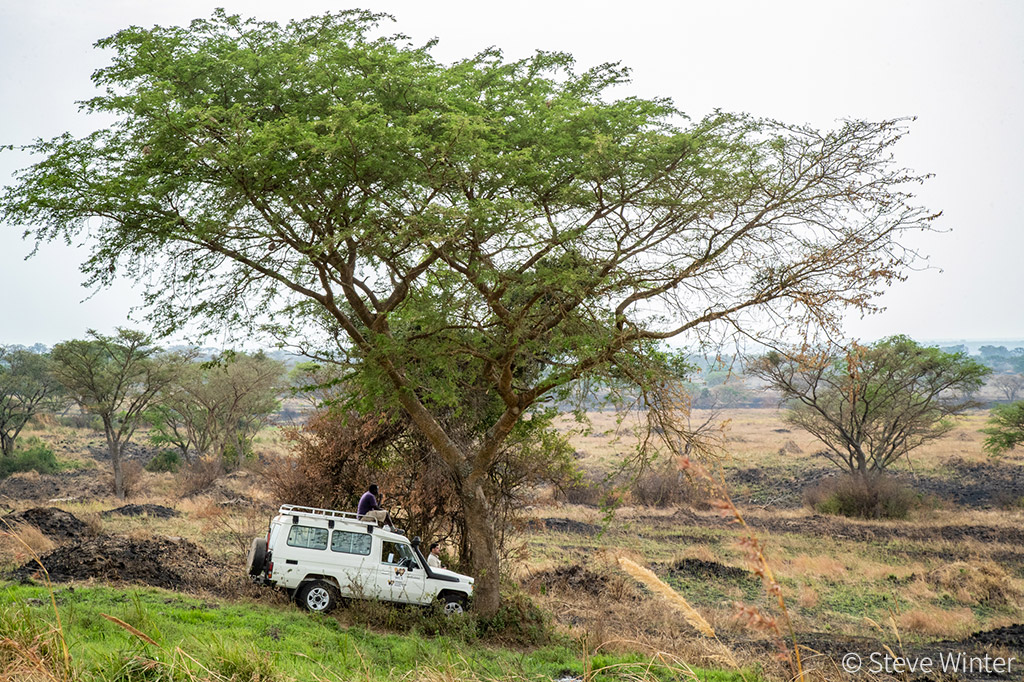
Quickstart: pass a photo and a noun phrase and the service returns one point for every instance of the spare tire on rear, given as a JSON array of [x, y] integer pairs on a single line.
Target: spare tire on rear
[[257, 556]]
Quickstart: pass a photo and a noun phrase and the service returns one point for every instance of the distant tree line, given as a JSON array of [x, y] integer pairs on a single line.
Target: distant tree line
[[204, 409]]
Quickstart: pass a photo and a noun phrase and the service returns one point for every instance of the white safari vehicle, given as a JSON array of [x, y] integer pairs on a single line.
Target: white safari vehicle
[[320, 556]]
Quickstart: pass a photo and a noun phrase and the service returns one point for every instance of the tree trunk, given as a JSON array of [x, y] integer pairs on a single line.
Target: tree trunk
[[114, 447], [483, 548]]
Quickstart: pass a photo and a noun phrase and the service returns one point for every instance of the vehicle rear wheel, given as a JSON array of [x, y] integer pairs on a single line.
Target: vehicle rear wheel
[[257, 556], [317, 596], [454, 603]]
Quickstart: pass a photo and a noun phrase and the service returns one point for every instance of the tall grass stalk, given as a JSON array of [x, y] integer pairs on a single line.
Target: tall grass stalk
[[656, 585]]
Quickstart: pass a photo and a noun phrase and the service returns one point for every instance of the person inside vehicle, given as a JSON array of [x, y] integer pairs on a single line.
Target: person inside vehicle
[[434, 557], [369, 508]]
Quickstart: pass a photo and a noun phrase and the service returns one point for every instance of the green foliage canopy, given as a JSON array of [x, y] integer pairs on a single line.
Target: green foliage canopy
[[1007, 430]]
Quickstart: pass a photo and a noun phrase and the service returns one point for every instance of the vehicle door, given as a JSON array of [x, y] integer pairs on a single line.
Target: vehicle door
[[399, 575]]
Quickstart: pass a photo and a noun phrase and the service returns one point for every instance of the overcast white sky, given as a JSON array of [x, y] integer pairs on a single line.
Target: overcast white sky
[[957, 66]]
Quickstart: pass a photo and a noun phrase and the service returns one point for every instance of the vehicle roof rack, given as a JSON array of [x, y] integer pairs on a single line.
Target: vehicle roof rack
[[291, 509], [330, 515]]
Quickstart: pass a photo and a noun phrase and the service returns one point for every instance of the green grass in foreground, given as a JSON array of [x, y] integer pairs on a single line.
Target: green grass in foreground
[[195, 639]]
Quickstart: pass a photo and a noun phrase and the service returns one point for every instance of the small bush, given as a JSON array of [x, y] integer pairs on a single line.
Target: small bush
[[199, 476], [866, 497], [35, 456], [166, 461], [591, 489], [667, 486], [132, 478], [286, 480], [519, 621]]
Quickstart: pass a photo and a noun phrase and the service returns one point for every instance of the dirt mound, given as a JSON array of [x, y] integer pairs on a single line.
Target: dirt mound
[[574, 578], [570, 526], [56, 524], [698, 568], [154, 510], [172, 563]]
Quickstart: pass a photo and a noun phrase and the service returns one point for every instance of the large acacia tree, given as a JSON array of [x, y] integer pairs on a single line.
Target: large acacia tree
[[477, 231]]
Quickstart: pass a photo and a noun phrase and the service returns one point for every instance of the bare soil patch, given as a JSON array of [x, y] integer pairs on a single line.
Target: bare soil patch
[[1011, 637], [71, 485], [699, 568], [986, 484], [839, 527], [570, 526], [960, 482]]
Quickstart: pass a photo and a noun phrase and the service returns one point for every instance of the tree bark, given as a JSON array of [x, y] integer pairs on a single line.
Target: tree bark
[[483, 548], [114, 447]]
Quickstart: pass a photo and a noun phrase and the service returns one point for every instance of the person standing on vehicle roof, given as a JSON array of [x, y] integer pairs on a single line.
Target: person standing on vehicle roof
[[370, 508]]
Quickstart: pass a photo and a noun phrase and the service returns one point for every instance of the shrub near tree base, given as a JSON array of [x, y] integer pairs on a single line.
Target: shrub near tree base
[[165, 461], [36, 456], [867, 497]]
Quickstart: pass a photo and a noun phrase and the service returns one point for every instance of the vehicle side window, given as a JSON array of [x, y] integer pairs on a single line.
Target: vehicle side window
[[395, 552], [310, 538], [351, 543]]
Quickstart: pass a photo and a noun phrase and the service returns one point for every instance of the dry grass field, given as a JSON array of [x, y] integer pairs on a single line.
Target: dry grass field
[[953, 568]]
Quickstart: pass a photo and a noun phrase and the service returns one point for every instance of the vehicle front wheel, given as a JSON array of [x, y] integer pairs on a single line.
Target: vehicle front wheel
[[317, 596], [454, 604]]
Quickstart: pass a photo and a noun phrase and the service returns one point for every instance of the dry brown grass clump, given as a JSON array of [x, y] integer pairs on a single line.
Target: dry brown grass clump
[[21, 542], [936, 622], [817, 566], [978, 582]]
